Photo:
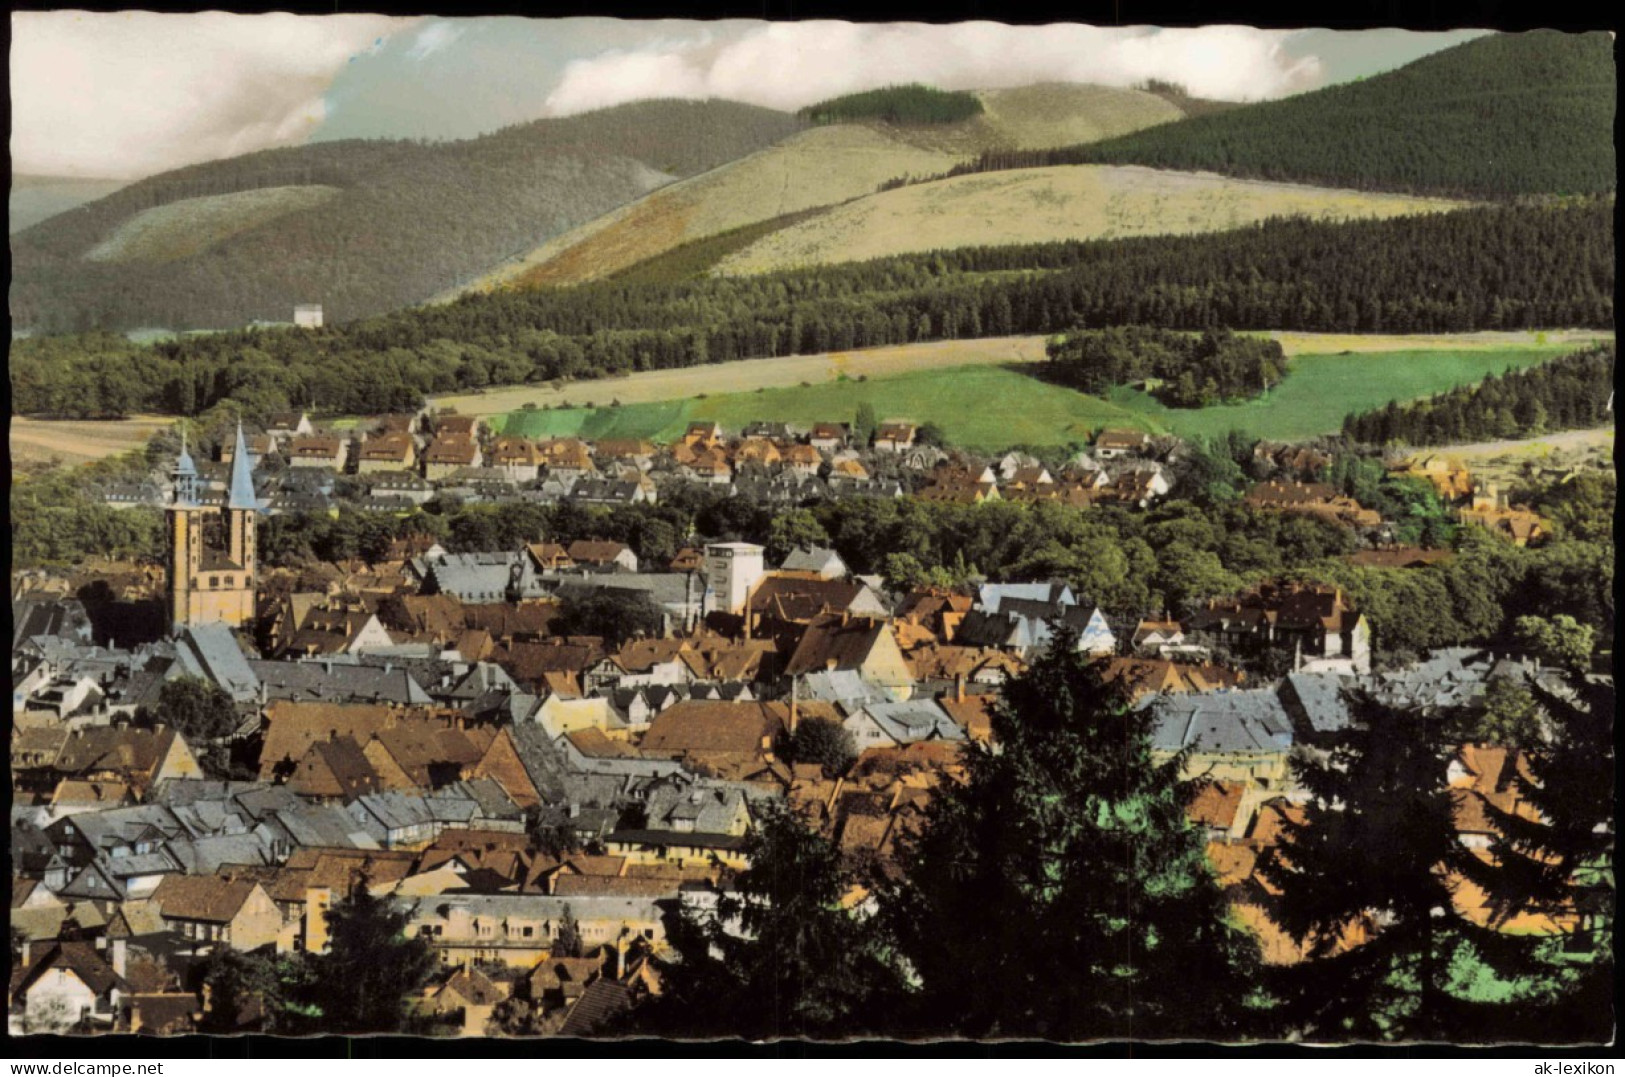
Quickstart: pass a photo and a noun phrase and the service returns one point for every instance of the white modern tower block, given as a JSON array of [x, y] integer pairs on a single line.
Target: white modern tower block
[[732, 570]]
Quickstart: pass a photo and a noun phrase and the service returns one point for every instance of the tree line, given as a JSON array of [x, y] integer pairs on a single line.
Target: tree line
[[910, 104], [1571, 392], [1194, 371], [1485, 268]]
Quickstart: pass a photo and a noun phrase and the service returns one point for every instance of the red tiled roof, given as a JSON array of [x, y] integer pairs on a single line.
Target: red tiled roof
[[1216, 804]]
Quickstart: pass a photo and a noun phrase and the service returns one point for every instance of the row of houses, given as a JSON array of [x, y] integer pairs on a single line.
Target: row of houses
[[403, 461]]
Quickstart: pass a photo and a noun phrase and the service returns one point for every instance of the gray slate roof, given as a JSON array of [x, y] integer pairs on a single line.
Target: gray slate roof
[[484, 576], [843, 686], [990, 596], [337, 682], [819, 559], [1247, 722], [212, 650], [60, 617], [698, 806], [317, 825], [204, 856], [1317, 701], [116, 827], [915, 720]]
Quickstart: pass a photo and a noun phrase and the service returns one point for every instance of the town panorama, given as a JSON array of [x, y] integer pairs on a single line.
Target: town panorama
[[810, 531]]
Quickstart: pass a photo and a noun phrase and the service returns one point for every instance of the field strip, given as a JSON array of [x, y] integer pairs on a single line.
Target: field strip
[[1566, 441], [748, 375], [77, 442], [1294, 343]]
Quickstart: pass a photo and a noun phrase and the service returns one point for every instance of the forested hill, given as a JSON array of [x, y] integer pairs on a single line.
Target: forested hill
[[362, 227], [1500, 116], [1513, 267]]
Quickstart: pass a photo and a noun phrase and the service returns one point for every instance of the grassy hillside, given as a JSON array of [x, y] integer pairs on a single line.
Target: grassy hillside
[[1509, 114], [992, 407], [193, 225], [1043, 115], [409, 219], [1039, 205], [814, 168], [825, 166]]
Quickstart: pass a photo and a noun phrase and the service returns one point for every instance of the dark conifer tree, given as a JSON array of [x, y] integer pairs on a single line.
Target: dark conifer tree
[[1363, 881], [1061, 891], [1406, 925], [1554, 860], [780, 955]]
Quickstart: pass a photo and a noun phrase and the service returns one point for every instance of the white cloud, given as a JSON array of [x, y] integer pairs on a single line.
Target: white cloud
[[126, 94], [788, 65], [432, 38]]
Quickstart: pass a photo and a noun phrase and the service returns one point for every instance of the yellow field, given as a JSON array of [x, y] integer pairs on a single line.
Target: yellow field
[[181, 229], [1040, 205], [74, 442], [1333, 343], [824, 166], [748, 375]]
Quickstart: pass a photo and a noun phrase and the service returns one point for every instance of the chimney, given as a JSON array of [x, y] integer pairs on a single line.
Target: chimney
[[795, 710], [959, 688], [28, 950], [120, 956]]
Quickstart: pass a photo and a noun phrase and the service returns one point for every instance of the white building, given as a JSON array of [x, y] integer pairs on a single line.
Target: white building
[[308, 315], [732, 571]]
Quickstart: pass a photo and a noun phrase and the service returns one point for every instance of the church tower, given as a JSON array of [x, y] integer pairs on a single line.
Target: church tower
[[213, 562]]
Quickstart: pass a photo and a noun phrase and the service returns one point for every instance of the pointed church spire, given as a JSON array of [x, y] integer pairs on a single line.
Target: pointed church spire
[[242, 476], [185, 475]]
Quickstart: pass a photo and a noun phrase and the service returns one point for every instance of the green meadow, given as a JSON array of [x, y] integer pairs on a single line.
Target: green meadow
[[991, 407]]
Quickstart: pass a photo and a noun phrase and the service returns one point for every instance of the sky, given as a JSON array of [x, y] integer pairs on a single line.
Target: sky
[[128, 94]]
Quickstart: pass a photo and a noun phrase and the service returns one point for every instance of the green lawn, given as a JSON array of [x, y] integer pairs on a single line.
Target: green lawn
[[1321, 389], [989, 408]]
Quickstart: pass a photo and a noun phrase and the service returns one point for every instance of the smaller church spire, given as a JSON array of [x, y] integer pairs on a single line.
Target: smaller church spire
[[242, 476], [185, 476]]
